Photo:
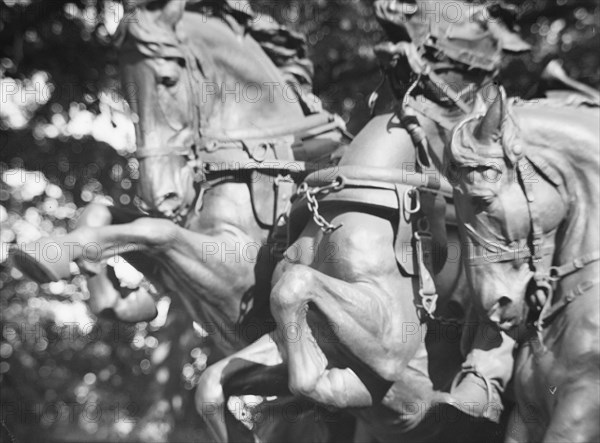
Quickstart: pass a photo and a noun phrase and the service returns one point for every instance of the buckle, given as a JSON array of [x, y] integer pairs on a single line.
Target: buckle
[[554, 274], [408, 203], [283, 179], [429, 302]]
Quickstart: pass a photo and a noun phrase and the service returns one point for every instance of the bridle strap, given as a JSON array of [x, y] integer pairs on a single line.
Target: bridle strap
[[449, 92], [183, 53], [558, 272], [537, 232], [550, 311], [504, 255], [546, 279]]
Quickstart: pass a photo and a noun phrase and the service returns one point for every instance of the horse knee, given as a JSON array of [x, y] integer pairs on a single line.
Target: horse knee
[[95, 215], [302, 384], [209, 392], [292, 288], [154, 232]]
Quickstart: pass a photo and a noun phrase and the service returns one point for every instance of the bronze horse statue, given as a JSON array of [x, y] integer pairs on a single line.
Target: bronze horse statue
[[355, 299], [526, 178], [217, 169]]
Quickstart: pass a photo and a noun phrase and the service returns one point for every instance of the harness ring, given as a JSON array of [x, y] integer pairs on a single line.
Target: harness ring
[[408, 195]]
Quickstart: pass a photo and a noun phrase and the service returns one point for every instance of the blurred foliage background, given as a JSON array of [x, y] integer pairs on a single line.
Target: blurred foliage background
[[66, 140]]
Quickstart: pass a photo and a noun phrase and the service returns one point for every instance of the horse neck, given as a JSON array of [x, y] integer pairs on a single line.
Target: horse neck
[[242, 88], [571, 152]]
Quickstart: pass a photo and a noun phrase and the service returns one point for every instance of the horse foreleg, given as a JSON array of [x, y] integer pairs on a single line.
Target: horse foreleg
[[516, 430], [139, 305], [50, 259], [211, 400], [350, 308]]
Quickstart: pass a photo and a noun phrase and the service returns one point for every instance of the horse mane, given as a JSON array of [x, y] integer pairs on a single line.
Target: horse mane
[[568, 155], [287, 49], [149, 37], [560, 144], [469, 151], [562, 107]]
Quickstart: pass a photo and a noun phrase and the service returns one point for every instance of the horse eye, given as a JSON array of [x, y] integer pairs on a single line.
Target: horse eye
[[169, 81], [481, 203], [492, 174], [168, 72]]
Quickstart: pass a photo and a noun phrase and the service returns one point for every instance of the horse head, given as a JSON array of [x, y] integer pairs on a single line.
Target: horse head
[[193, 76], [156, 82], [461, 44], [509, 211]]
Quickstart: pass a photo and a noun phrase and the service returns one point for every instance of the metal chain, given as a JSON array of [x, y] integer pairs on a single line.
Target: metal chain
[[11, 436], [312, 202]]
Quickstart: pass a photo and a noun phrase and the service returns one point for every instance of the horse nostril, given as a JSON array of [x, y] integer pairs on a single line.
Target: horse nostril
[[497, 311], [170, 196], [504, 301], [169, 203]]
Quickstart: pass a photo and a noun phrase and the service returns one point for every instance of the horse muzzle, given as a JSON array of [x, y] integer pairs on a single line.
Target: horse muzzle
[[172, 205], [505, 313]]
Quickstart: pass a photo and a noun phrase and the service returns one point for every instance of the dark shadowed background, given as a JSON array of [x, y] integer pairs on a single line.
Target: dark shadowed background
[[66, 140]]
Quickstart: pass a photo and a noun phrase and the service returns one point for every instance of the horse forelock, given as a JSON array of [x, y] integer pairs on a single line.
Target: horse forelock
[[148, 37], [465, 150]]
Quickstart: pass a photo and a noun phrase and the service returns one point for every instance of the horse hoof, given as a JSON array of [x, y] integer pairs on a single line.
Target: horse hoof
[[138, 306], [473, 397], [37, 262]]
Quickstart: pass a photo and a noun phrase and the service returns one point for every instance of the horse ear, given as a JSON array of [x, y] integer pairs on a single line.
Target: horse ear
[[172, 12], [490, 127], [479, 106], [502, 23]]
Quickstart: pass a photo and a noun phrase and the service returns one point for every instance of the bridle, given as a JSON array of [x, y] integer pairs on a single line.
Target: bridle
[[538, 248], [191, 71], [189, 151]]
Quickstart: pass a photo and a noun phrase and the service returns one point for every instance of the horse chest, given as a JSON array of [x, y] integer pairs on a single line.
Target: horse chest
[[541, 372]]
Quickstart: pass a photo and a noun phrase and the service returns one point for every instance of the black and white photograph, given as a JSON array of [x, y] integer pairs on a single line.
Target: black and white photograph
[[299, 221]]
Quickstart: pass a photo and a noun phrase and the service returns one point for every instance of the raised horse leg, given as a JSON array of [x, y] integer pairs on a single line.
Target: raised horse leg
[[211, 398], [139, 305], [356, 319], [258, 370], [51, 259], [95, 239]]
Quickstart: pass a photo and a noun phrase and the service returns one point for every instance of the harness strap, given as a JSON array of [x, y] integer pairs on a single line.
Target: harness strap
[[379, 178], [285, 186], [427, 291], [403, 247], [550, 311], [287, 166], [449, 92], [446, 118]]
